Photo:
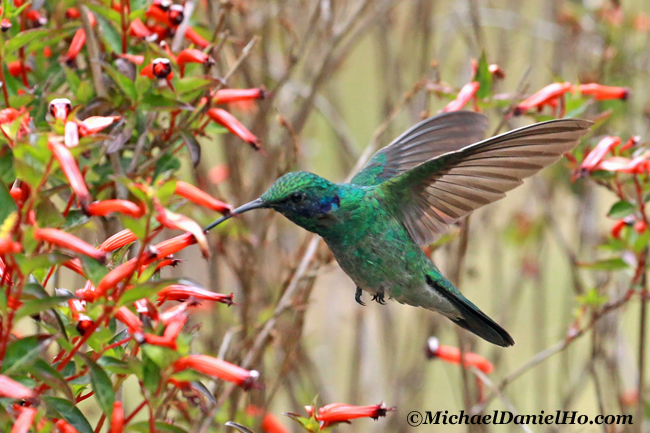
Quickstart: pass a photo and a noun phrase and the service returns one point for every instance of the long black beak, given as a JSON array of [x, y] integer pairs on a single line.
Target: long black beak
[[255, 204]]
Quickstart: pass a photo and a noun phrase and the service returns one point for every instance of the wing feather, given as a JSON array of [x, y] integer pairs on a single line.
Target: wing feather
[[441, 190], [428, 139]]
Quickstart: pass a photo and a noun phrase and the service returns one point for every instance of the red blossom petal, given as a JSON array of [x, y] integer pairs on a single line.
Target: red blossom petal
[[542, 96], [464, 96], [130, 320], [225, 96], [12, 389], [25, 420], [195, 195], [94, 124], [226, 119], [138, 29], [106, 207], [117, 420], [452, 355], [118, 240], [8, 246], [603, 147], [78, 42], [602, 93], [179, 292], [71, 242], [133, 58], [176, 221], [195, 38], [219, 368], [71, 170]]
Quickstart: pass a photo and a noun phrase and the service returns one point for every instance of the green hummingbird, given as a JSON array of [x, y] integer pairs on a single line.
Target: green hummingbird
[[432, 175]]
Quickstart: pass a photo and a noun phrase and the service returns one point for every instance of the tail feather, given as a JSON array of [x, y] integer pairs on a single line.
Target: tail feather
[[473, 319]]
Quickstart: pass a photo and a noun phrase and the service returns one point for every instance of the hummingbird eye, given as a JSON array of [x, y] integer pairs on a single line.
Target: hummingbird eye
[[296, 197]]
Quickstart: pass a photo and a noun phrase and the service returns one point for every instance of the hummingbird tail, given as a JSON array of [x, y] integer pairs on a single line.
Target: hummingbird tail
[[473, 319]]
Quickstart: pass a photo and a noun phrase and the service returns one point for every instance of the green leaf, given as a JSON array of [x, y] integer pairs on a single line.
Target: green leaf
[[22, 353], [23, 38], [51, 377], [606, 265], [191, 84], [75, 218], [167, 162], [161, 427], [193, 146], [84, 93], [102, 386], [30, 264], [124, 83], [7, 204], [162, 356], [29, 308], [47, 214], [94, 270], [152, 101], [150, 374], [114, 365], [69, 412], [106, 13], [109, 34], [621, 209], [592, 298], [7, 173], [484, 77]]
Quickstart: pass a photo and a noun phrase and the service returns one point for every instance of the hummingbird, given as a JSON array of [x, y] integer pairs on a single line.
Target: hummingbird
[[407, 195]]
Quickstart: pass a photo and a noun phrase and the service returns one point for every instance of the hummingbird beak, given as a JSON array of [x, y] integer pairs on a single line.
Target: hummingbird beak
[[255, 204]]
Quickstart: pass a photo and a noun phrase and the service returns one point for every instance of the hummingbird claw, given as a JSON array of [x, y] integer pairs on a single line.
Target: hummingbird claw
[[357, 297], [379, 297]]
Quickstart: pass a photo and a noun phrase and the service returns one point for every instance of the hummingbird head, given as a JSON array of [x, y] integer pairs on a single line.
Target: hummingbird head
[[304, 198]]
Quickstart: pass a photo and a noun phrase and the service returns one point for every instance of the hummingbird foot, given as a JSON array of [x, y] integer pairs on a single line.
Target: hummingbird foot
[[379, 297], [357, 296]]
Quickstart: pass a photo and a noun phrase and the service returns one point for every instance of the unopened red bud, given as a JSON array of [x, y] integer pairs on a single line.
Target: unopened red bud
[[219, 368], [5, 24], [602, 93], [226, 119], [179, 292]]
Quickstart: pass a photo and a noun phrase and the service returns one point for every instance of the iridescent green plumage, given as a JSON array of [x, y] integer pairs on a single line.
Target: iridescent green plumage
[[432, 175]]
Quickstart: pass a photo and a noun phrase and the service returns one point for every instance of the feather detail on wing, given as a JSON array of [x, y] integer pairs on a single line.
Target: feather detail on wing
[[428, 139], [444, 189]]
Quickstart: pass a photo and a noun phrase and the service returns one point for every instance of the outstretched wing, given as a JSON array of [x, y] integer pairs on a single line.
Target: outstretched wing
[[428, 139], [442, 190]]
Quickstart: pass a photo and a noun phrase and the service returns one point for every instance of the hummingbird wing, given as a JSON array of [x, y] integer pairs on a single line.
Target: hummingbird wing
[[428, 139], [444, 189]]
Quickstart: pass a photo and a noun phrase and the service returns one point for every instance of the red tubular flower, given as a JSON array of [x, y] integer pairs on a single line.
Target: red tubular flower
[[94, 124], [619, 164], [5, 25], [176, 221], [133, 58], [159, 68], [113, 278], [225, 96], [340, 412], [117, 420], [543, 96], [106, 207], [71, 171], [65, 427], [452, 355], [71, 242], [130, 320], [464, 96], [118, 240], [47, 52], [191, 55], [75, 265], [226, 119], [200, 197], [603, 147], [8, 246], [139, 30], [175, 14], [35, 16], [172, 331], [60, 109], [172, 246], [618, 227], [16, 68], [219, 368], [195, 38], [24, 420], [640, 226], [170, 315], [12, 389], [72, 13], [158, 13], [179, 292], [602, 93], [167, 262], [76, 309], [78, 42], [160, 31]]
